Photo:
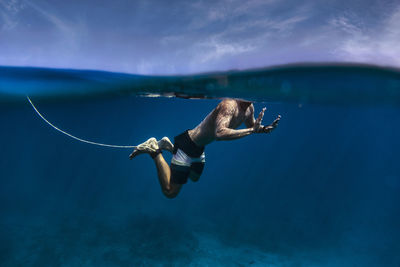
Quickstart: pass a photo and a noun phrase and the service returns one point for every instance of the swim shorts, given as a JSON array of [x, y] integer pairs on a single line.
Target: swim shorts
[[187, 161]]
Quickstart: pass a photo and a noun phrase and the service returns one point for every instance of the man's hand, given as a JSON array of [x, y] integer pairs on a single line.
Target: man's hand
[[273, 125], [259, 128]]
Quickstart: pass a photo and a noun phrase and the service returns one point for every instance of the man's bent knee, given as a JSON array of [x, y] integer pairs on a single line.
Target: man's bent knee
[[170, 194], [172, 191]]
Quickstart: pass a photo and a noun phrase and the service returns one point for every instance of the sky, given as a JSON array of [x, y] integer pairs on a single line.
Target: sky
[[181, 37]]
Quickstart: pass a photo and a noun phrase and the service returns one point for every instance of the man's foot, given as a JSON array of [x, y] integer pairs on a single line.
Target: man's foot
[[166, 144], [150, 147]]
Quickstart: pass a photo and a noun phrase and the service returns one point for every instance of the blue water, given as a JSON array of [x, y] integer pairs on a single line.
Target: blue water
[[334, 83], [322, 190]]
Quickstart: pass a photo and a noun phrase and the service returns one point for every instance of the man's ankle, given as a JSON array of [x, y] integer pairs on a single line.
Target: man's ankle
[[154, 154]]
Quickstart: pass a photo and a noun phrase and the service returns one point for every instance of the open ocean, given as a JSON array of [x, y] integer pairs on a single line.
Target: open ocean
[[323, 189]]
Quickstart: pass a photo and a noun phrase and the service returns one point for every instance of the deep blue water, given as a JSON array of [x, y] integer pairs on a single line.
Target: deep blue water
[[321, 190]]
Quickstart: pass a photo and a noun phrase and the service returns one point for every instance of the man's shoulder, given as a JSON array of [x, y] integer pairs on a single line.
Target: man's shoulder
[[227, 104]]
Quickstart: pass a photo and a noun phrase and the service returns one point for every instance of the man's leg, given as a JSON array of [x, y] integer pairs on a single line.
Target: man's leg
[[170, 190], [151, 146], [196, 168]]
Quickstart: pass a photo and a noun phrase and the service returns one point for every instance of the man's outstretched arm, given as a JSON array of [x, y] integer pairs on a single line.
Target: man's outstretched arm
[[223, 132], [231, 134]]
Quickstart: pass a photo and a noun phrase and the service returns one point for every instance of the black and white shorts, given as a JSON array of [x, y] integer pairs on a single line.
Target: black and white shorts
[[187, 161]]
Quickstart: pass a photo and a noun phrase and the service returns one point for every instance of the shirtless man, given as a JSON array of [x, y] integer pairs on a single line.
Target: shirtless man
[[188, 148]]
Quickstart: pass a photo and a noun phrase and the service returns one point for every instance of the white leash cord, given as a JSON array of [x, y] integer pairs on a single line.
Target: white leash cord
[[74, 137]]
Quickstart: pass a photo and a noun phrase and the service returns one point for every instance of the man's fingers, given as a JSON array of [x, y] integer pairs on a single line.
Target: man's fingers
[[276, 121], [272, 126], [260, 116], [267, 129]]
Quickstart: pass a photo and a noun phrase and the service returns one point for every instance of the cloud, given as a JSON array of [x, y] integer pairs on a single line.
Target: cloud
[[8, 13], [7, 23], [38, 33], [207, 12], [65, 28], [230, 29], [192, 36], [12, 6], [379, 45], [214, 49], [346, 24], [200, 35]]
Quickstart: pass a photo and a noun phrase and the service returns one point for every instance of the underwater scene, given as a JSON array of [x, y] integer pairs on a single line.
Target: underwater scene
[[320, 190], [133, 133]]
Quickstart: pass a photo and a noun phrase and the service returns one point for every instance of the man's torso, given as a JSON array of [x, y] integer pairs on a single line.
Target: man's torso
[[204, 133]]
